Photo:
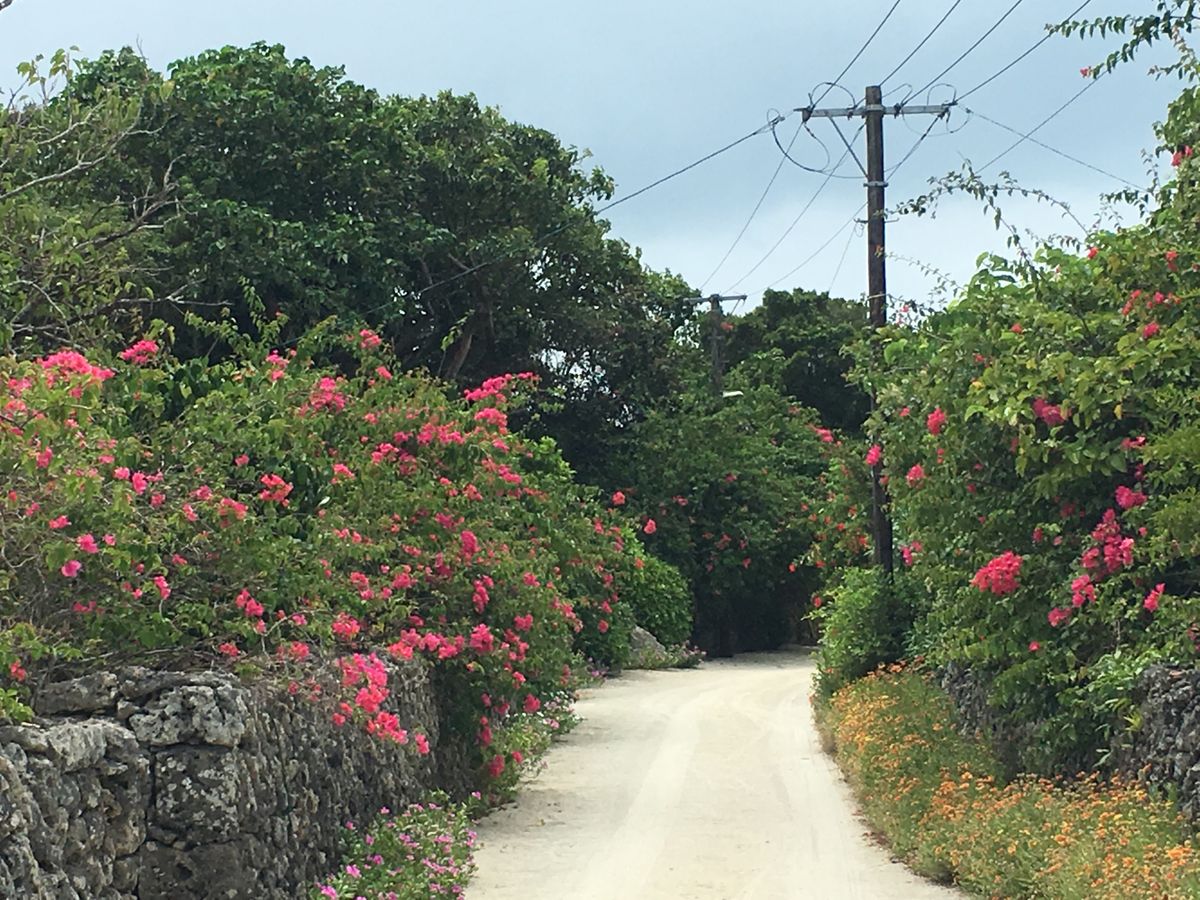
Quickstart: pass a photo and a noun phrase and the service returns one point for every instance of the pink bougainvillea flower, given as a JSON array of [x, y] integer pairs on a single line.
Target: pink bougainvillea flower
[[275, 489], [1049, 413], [874, 455], [368, 340], [469, 543], [1057, 616], [1082, 591], [59, 522], [141, 353], [1128, 499], [482, 640], [71, 568], [618, 498], [915, 475], [87, 543], [650, 527], [1034, 646], [346, 627], [1000, 575], [1152, 598], [935, 420], [1149, 331]]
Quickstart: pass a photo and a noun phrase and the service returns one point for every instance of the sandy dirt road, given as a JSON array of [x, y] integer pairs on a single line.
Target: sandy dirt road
[[695, 785]]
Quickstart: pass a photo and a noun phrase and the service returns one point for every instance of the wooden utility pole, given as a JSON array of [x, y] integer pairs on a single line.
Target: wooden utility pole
[[883, 549], [872, 112], [717, 336]]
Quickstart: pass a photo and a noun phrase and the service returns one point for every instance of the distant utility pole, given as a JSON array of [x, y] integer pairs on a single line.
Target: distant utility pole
[[872, 111], [717, 336]]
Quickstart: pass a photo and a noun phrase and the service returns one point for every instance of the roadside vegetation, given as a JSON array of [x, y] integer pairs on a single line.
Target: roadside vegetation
[[1037, 438], [941, 802]]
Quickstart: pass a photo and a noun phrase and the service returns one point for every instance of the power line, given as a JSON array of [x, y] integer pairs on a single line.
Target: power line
[[861, 51], [548, 235], [919, 141], [1045, 37], [938, 77], [787, 152], [754, 212], [1029, 137], [924, 41], [556, 231], [818, 251], [795, 222], [838, 271]]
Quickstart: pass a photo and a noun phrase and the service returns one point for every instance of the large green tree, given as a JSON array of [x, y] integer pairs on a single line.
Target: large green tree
[[471, 243], [807, 332]]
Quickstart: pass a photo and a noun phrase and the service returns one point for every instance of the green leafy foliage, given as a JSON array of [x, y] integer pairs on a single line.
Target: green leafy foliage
[[468, 242], [413, 854], [73, 263], [808, 333], [864, 623], [724, 480], [660, 599]]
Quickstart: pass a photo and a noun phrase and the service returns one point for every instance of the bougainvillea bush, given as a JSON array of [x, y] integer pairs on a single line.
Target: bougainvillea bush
[[1041, 442], [265, 509], [423, 851]]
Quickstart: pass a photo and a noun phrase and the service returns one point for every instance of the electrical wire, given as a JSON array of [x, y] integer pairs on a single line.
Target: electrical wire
[[818, 251], [919, 141], [861, 51], [599, 210], [791, 227], [1045, 37], [924, 41], [786, 153], [938, 77], [754, 212], [841, 261], [1028, 135], [825, 169]]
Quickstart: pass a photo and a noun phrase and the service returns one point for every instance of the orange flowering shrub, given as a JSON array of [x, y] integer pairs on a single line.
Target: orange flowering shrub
[[937, 797]]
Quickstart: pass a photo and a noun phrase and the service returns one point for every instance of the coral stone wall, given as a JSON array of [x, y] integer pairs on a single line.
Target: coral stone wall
[[1162, 748], [156, 785]]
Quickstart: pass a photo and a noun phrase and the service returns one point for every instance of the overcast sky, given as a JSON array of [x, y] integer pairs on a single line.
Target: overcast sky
[[650, 86]]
